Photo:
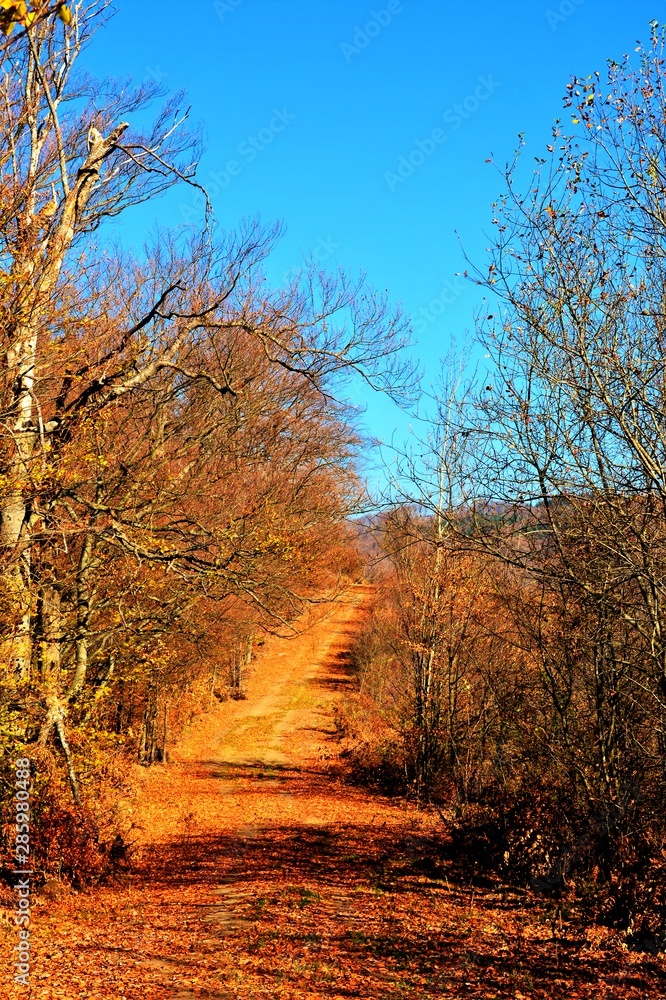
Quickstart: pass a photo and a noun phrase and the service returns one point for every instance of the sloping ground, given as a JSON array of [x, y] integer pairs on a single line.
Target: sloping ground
[[262, 874]]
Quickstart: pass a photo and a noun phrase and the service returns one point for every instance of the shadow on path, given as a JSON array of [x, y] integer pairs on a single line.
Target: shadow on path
[[352, 896]]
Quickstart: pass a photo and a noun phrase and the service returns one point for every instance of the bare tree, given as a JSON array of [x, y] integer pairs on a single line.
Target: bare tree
[[68, 162], [569, 431], [166, 414]]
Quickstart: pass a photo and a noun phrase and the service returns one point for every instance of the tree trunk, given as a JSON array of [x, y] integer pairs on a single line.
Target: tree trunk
[[49, 633], [71, 773], [148, 745], [55, 720], [83, 605], [15, 645]]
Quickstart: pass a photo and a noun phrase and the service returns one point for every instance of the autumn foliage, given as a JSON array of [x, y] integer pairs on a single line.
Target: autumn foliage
[[518, 647], [177, 459], [179, 478]]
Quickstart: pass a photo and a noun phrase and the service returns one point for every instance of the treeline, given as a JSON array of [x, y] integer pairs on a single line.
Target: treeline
[[177, 460], [178, 472], [517, 652]]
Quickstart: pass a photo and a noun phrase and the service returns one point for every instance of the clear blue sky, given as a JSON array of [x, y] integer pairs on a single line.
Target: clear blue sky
[[316, 101]]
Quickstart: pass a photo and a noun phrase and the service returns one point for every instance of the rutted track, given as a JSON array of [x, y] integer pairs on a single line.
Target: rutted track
[[263, 874]]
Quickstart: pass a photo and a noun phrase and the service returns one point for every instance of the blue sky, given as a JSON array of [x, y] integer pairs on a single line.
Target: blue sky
[[314, 108]]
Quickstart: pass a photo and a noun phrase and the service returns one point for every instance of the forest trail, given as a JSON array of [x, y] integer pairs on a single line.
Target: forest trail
[[261, 873]]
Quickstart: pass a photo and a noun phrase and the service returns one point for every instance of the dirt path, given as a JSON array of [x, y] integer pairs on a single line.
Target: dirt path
[[262, 874]]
